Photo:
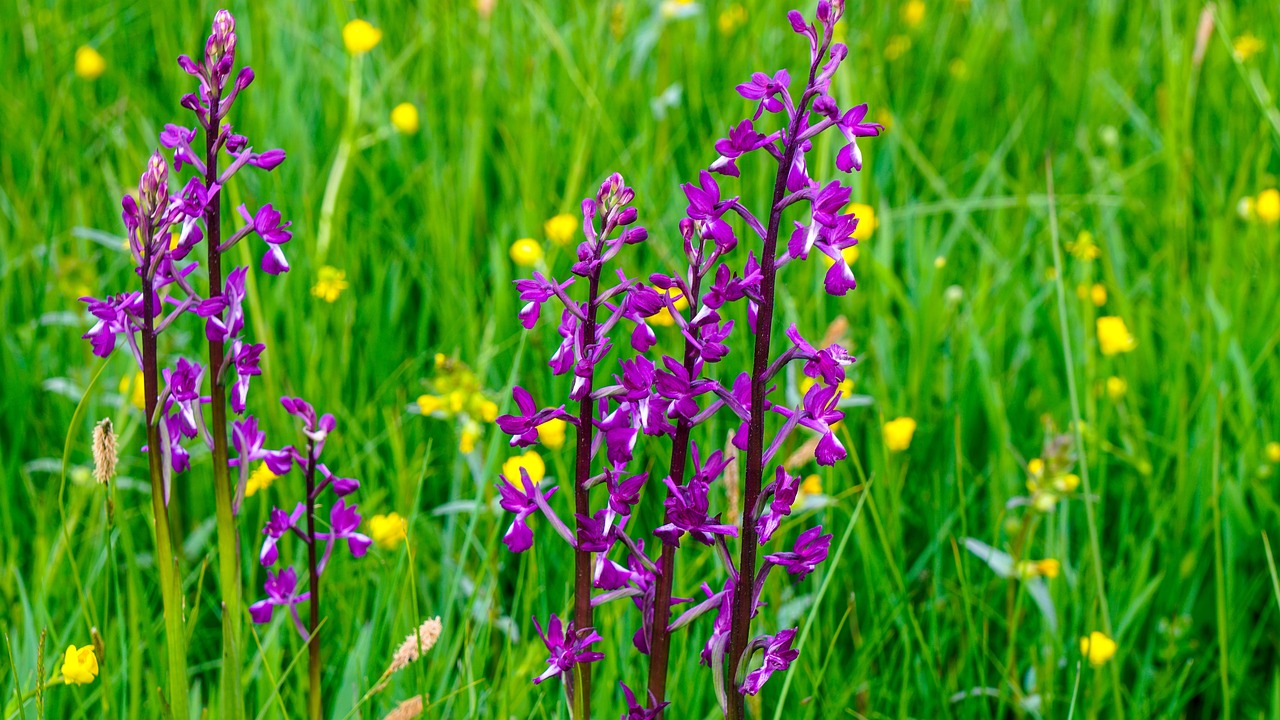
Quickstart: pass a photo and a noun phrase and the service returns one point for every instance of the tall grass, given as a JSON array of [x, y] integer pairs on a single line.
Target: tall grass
[[521, 116]]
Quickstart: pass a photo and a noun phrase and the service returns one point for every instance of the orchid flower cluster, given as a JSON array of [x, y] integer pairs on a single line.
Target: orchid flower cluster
[[673, 397], [281, 586], [164, 227]]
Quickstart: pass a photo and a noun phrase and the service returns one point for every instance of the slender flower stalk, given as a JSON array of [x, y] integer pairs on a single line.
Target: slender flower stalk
[[607, 227], [343, 523], [673, 398], [224, 321]]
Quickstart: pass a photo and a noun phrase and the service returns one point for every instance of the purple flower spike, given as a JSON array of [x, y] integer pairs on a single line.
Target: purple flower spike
[[810, 550], [567, 647], [778, 656]]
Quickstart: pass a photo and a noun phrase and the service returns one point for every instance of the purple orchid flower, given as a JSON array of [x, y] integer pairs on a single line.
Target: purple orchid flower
[[523, 428], [778, 656], [567, 647], [278, 523], [810, 550], [742, 139], [282, 591], [784, 489]]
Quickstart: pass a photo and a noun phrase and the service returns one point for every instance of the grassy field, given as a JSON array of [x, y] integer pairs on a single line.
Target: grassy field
[[1011, 123]]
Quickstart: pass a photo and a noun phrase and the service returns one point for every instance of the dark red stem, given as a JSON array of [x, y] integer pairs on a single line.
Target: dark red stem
[[660, 642], [313, 623], [743, 598], [583, 617]]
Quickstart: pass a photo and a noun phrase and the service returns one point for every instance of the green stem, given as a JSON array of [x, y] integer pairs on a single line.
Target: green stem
[[232, 705], [166, 560]]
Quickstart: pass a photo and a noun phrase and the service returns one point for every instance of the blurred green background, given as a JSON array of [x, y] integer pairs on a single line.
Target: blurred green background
[[1161, 128]]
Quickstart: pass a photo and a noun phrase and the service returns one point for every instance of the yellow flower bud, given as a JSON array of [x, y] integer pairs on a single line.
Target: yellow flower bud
[[89, 63], [898, 433], [1267, 206], [531, 462], [551, 433], [388, 531], [1273, 451], [1098, 294], [1116, 388], [360, 37], [1114, 337], [79, 665], [404, 117], [260, 479], [1097, 648], [913, 13], [561, 229], [526, 252]]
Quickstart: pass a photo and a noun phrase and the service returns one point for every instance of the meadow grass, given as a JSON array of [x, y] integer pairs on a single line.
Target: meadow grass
[[965, 319]]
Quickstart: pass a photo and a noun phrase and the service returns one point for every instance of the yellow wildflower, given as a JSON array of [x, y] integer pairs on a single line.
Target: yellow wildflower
[[330, 282], [1067, 483], [79, 665], [867, 222], [89, 63], [1268, 206], [898, 433], [1098, 294], [260, 479], [531, 462], [811, 485], [732, 18], [388, 531], [1035, 468], [1097, 648], [488, 410], [551, 433], [468, 438], [1246, 46], [1116, 388], [405, 118], [1273, 451], [1028, 569], [526, 252], [360, 37], [1113, 336], [896, 47], [429, 404], [663, 316], [1084, 248], [561, 229], [134, 387], [913, 13]]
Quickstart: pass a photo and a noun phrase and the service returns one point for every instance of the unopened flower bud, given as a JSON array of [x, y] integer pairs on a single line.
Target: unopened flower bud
[[153, 187]]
